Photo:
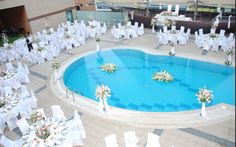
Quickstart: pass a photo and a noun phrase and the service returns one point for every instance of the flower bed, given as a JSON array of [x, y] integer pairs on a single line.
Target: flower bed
[[109, 67], [163, 76]]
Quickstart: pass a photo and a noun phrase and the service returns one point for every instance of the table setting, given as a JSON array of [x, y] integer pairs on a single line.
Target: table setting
[[47, 133]]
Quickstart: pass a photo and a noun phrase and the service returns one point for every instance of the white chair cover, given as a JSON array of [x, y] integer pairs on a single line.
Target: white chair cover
[[2, 125], [111, 141], [11, 121], [153, 140], [57, 112], [169, 8], [130, 139], [23, 125]]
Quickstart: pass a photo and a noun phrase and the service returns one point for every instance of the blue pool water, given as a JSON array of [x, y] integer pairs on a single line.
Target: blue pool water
[[132, 86]]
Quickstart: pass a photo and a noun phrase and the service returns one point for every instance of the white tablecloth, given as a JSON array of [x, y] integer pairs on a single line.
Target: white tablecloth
[[59, 134]]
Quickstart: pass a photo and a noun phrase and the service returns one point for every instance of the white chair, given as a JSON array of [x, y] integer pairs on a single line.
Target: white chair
[[26, 69], [24, 91], [153, 140], [11, 121], [35, 46], [173, 27], [130, 139], [201, 32], [23, 125], [15, 85], [141, 30], [165, 29], [182, 29], [176, 10], [104, 28], [33, 99], [169, 8], [77, 131], [7, 90], [111, 141], [212, 31], [57, 112], [9, 66], [128, 23], [9, 143], [222, 33], [2, 125]]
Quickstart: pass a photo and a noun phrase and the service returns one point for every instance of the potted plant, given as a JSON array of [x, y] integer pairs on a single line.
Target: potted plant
[[229, 57], [204, 95], [97, 41], [103, 92]]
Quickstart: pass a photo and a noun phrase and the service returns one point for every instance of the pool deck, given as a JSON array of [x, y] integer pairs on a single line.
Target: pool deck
[[184, 129]]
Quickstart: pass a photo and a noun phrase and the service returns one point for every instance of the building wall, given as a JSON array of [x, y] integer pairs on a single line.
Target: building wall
[[11, 3]]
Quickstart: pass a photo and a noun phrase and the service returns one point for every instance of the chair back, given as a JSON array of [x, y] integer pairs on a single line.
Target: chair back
[[177, 10], [222, 33], [111, 141], [153, 140], [23, 125], [130, 139], [169, 8], [201, 32], [182, 29]]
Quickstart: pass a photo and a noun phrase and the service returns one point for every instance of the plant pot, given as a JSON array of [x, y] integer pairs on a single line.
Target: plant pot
[[203, 109], [98, 48]]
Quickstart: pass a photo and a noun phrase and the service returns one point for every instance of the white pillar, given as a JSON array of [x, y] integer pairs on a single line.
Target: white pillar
[[203, 110]]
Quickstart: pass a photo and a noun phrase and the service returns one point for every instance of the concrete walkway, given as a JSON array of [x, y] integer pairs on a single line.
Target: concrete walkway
[[220, 133]]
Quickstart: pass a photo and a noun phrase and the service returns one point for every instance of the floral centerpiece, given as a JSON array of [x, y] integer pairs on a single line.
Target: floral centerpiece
[[55, 65], [109, 67], [213, 36], [153, 22], [2, 74], [37, 116], [166, 13], [204, 95], [2, 103], [163, 76], [40, 49], [98, 39], [103, 92], [67, 36], [169, 22], [43, 132], [229, 53]]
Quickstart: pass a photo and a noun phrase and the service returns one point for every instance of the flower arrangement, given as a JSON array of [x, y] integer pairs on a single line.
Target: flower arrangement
[[213, 36], [4, 38], [169, 22], [163, 76], [98, 39], [173, 32], [102, 92], [67, 36], [2, 74], [166, 13], [2, 103], [37, 116], [109, 67], [153, 22], [230, 52], [55, 65], [227, 62], [43, 132], [40, 49], [204, 95]]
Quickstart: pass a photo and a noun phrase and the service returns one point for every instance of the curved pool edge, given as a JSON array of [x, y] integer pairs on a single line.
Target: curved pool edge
[[182, 119]]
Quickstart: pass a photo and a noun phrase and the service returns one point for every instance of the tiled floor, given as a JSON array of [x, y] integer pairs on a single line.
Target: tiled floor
[[220, 133]]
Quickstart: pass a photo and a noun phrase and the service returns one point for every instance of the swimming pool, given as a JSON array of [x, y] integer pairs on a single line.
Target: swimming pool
[[132, 86]]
